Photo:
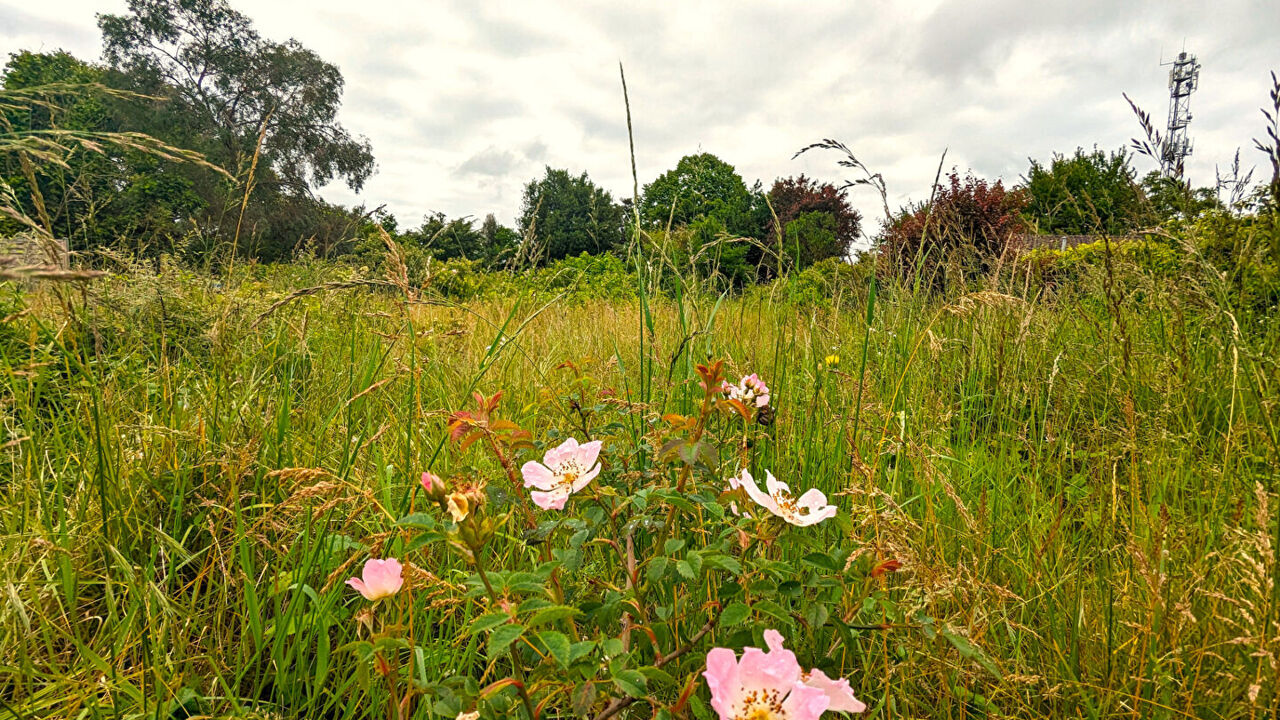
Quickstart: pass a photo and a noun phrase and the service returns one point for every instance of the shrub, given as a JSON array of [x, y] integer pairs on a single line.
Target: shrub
[[958, 235]]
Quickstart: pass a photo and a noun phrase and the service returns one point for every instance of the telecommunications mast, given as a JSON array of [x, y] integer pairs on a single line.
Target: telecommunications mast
[[1184, 78]]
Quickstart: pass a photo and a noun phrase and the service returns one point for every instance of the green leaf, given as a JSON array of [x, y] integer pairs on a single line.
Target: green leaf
[[773, 610], [502, 637], [583, 698], [724, 562], [969, 651], [418, 520], [672, 546], [631, 682], [656, 569], [552, 614], [821, 561], [558, 645], [695, 561], [686, 570], [656, 675], [734, 613], [489, 621], [580, 649]]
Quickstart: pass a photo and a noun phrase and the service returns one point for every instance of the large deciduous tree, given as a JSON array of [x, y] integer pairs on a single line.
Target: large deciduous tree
[[816, 220], [564, 215], [232, 86], [1088, 193], [700, 187]]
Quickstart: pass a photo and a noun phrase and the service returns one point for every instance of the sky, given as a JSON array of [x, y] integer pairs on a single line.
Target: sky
[[464, 102]]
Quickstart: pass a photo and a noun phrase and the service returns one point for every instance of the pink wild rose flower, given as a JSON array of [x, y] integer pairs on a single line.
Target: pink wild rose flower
[[750, 390], [808, 509], [769, 685], [564, 470], [380, 578]]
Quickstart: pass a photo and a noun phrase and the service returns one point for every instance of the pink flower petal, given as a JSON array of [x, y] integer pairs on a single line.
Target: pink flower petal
[[805, 703], [764, 500], [537, 475], [359, 586], [775, 486], [722, 681], [838, 692], [586, 479], [552, 500], [588, 453], [561, 452]]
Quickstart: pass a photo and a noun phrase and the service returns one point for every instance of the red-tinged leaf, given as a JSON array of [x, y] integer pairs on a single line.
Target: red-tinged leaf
[[690, 685], [492, 403], [673, 418], [497, 685], [887, 566], [503, 425]]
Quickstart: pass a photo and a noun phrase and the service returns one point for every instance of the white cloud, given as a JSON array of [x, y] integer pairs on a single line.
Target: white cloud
[[464, 102]]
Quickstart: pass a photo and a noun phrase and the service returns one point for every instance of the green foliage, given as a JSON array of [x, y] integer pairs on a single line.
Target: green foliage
[[1173, 199], [700, 187], [817, 220], [564, 215], [1245, 249], [1155, 256], [1087, 193], [244, 85]]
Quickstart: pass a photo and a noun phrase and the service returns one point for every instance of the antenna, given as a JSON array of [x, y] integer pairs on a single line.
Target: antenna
[[1184, 78]]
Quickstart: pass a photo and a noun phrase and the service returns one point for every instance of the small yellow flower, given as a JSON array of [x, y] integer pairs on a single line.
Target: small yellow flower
[[832, 360], [459, 506]]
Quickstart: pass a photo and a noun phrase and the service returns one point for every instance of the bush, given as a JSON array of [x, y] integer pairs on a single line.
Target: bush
[[959, 235]]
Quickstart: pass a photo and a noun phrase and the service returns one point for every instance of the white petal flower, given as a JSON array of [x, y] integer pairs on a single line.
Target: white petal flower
[[809, 509]]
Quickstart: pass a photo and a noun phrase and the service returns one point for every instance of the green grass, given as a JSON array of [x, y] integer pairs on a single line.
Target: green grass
[[1080, 488]]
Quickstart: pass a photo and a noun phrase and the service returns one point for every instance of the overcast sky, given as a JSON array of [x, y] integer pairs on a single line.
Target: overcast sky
[[466, 101]]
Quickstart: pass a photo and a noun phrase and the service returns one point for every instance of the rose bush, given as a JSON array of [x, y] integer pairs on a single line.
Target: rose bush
[[614, 578]]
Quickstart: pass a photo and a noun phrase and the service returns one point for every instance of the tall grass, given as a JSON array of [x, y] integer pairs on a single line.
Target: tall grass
[[1080, 488]]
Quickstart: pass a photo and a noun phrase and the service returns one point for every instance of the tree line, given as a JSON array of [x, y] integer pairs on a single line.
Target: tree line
[[196, 74]]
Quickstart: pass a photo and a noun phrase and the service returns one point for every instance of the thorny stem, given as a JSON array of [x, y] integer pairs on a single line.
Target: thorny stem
[[619, 704], [516, 662]]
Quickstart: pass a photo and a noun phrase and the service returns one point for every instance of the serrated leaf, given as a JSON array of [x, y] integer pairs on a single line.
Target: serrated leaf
[[695, 561], [557, 643], [656, 675], [773, 610], [581, 649], [489, 621], [502, 637], [734, 613], [631, 682], [584, 697], [418, 520], [656, 569], [724, 562], [552, 614], [686, 570]]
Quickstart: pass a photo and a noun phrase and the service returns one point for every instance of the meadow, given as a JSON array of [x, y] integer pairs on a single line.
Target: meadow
[[1051, 502]]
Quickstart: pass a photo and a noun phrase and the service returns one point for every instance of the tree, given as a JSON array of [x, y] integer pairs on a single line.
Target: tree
[[229, 82], [1172, 198], [106, 187], [567, 215], [958, 235], [816, 219], [700, 186], [1085, 194]]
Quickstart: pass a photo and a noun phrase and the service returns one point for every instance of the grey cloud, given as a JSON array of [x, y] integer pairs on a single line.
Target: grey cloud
[[491, 162]]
